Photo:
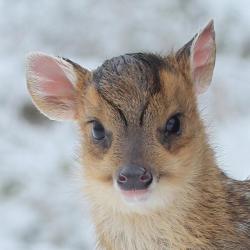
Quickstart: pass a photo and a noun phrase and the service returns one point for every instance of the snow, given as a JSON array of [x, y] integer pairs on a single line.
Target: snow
[[41, 205]]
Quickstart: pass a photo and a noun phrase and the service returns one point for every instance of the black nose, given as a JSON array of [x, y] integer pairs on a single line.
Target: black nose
[[133, 177]]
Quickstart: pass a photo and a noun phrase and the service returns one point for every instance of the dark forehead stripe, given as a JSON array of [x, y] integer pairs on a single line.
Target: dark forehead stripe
[[143, 112], [116, 108], [142, 67], [152, 66], [138, 70]]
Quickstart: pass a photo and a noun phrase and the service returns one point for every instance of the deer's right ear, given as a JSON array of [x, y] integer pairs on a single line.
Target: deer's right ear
[[52, 85]]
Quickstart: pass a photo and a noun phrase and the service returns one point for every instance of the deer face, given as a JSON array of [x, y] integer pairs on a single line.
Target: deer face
[[141, 133]]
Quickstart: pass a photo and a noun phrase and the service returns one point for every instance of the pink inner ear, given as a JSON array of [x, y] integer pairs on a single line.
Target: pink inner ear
[[52, 80], [203, 58], [202, 49]]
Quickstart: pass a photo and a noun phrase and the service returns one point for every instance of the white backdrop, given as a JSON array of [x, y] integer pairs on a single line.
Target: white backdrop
[[41, 207]]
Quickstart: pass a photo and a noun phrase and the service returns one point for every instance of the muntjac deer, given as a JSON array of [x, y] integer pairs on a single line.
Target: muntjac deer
[[150, 175]]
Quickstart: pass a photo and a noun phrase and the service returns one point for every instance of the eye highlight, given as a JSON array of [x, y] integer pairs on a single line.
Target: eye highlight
[[173, 125], [98, 131]]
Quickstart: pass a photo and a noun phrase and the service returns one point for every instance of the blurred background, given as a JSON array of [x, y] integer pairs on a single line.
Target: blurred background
[[41, 206]]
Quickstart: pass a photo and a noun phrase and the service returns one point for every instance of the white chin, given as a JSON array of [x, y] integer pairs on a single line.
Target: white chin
[[144, 201]]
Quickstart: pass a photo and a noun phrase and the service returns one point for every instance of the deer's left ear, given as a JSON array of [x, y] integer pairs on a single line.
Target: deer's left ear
[[200, 53]]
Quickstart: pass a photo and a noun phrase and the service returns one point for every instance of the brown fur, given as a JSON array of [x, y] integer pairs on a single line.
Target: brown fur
[[191, 203], [201, 208]]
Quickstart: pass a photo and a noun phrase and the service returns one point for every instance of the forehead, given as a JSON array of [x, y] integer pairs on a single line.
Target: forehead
[[128, 82], [137, 70]]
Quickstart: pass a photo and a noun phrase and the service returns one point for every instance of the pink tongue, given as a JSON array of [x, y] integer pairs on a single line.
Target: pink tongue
[[133, 193]]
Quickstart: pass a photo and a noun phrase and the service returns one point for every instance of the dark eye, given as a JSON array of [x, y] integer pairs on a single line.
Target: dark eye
[[98, 131], [173, 125]]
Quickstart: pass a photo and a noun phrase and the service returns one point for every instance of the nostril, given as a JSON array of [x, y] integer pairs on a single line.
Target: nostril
[[133, 177], [146, 177], [122, 178]]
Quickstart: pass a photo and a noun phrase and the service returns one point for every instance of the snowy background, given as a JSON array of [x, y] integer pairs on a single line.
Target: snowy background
[[41, 207]]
